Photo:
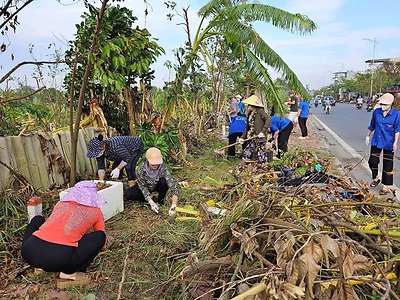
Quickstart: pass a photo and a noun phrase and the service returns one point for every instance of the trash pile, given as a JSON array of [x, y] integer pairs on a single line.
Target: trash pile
[[291, 235]]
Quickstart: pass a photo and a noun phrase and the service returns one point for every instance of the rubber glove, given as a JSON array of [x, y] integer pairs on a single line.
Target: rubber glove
[[367, 140], [115, 173], [241, 141], [172, 210], [153, 206], [261, 135]]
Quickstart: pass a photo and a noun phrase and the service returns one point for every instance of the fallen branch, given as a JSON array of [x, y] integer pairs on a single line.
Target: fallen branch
[[207, 265]]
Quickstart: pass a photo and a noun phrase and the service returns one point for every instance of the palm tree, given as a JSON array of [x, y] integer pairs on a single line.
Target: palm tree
[[232, 20]]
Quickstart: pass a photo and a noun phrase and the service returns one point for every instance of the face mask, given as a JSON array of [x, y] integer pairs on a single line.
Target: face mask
[[385, 107]]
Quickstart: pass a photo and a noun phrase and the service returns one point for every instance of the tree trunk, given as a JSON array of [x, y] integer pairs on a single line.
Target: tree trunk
[[131, 110], [75, 129]]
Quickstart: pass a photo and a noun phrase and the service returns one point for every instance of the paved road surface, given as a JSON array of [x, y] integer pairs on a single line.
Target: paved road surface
[[347, 140]]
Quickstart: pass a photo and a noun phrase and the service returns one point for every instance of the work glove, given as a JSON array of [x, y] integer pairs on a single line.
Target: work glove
[[172, 210], [115, 173], [153, 206], [261, 135], [241, 141], [367, 140]]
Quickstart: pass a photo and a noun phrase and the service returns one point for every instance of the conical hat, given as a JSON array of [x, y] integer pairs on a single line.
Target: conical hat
[[253, 101]]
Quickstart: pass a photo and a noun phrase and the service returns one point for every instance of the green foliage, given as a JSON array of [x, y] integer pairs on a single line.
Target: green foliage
[[165, 141], [123, 56], [15, 114]]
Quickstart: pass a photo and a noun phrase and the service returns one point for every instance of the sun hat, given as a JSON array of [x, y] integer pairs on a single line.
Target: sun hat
[[85, 193], [154, 156], [238, 97], [290, 92], [253, 101], [386, 99], [94, 147], [230, 96]]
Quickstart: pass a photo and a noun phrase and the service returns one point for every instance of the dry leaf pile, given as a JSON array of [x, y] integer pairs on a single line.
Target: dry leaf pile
[[331, 240]]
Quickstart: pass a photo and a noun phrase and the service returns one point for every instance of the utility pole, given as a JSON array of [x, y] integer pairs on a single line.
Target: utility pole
[[374, 42]]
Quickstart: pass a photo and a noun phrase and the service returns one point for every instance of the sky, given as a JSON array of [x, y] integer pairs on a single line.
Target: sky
[[343, 41]]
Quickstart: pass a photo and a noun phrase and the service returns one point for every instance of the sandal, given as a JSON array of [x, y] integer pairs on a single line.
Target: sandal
[[384, 192], [375, 183], [80, 280]]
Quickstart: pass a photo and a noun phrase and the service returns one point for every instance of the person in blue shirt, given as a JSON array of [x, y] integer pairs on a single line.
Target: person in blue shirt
[[385, 130], [236, 129], [281, 128], [302, 113]]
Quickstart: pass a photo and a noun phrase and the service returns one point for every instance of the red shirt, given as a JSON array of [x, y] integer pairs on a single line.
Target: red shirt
[[69, 222]]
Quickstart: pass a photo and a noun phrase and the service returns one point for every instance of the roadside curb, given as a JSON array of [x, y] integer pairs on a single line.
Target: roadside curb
[[350, 150]]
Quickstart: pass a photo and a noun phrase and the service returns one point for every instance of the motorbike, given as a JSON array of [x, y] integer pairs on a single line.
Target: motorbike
[[328, 108], [359, 105], [369, 108]]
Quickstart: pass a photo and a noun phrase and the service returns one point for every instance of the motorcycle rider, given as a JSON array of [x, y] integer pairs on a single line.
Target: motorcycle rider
[[360, 102], [328, 105]]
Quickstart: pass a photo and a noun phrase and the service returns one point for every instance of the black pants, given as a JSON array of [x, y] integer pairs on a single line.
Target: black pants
[[135, 194], [373, 162], [303, 126], [53, 257], [131, 165], [232, 139], [283, 138]]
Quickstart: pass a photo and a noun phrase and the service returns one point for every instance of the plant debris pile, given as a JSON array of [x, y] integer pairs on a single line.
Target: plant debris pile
[[296, 236]]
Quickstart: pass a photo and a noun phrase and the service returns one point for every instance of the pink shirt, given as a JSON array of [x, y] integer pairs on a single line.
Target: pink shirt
[[69, 222]]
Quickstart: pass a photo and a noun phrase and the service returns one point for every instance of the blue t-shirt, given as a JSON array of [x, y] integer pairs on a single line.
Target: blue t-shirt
[[304, 106], [384, 128], [278, 123], [238, 124]]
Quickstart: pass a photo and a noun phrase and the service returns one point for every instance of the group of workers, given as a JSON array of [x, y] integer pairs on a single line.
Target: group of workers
[[75, 232], [253, 125]]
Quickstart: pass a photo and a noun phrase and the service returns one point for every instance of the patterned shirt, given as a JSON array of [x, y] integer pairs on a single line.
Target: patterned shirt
[[119, 148], [147, 185], [69, 222]]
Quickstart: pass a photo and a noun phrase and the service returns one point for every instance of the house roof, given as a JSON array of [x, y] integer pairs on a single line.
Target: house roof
[[381, 60]]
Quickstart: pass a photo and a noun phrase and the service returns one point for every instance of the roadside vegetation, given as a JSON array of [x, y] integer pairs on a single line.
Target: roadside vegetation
[[244, 230]]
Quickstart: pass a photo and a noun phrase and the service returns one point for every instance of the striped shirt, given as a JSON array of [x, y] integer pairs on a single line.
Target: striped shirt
[[120, 148], [147, 185]]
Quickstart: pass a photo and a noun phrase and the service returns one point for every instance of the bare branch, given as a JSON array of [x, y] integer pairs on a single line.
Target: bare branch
[[15, 13], [37, 63], [22, 97]]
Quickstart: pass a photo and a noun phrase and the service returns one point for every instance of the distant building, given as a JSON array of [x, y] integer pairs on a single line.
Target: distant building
[[382, 60]]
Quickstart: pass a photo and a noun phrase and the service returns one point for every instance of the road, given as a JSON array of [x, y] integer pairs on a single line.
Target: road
[[350, 125]]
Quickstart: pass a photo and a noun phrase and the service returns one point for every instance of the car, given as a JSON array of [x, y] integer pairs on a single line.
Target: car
[[331, 98]]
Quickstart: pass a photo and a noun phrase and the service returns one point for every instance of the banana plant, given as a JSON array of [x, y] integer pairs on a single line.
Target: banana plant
[[233, 21]]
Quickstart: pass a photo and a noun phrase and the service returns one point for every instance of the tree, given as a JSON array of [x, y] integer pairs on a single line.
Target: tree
[[121, 62], [233, 23]]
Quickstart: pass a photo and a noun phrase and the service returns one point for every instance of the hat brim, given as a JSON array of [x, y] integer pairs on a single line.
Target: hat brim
[[93, 154], [253, 101], [155, 161], [386, 99]]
